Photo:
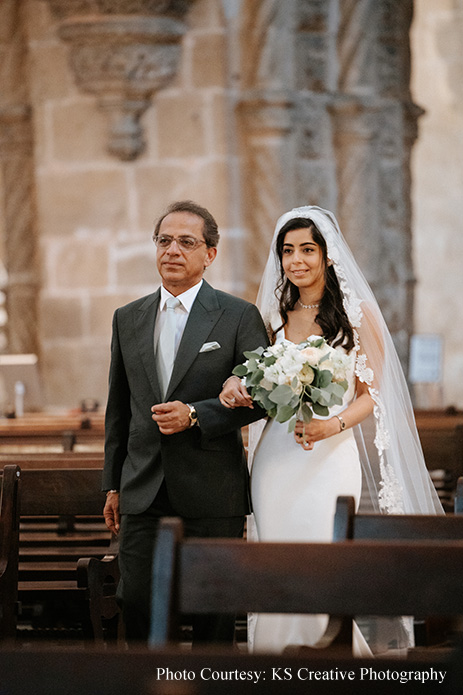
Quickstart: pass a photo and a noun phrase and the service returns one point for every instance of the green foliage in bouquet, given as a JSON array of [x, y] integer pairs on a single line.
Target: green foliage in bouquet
[[294, 382]]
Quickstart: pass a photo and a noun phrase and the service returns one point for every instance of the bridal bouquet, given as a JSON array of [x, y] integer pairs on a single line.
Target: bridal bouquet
[[296, 381]]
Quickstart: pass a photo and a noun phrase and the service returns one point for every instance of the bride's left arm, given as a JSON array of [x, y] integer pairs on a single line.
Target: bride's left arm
[[370, 356]]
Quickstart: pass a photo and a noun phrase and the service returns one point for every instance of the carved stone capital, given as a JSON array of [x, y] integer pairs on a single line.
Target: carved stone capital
[[122, 51], [266, 111], [355, 117]]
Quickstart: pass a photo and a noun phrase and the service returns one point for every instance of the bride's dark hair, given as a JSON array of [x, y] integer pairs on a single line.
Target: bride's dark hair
[[331, 316]]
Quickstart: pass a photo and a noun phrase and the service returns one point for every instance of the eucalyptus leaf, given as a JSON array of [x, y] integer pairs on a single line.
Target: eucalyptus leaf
[[320, 409], [240, 370], [324, 378], [281, 394], [268, 361], [256, 377], [271, 412], [306, 413], [291, 425], [252, 364], [284, 413], [324, 398], [338, 389], [254, 354]]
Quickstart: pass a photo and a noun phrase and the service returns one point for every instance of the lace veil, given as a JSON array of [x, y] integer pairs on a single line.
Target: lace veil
[[395, 476]]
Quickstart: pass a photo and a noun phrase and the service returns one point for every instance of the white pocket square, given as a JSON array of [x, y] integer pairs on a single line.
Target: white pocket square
[[208, 347]]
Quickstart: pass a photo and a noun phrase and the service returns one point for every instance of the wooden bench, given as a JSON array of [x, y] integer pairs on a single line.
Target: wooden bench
[[206, 672], [341, 579], [51, 459], [99, 578], [441, 436], [46, 430], [61, 522], [349, 525], [9, 543]]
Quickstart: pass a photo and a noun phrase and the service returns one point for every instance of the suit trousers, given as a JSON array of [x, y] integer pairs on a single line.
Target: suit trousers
[[138, 536]]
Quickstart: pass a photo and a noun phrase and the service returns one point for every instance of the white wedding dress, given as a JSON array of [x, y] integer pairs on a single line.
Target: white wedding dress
[[294, 494]]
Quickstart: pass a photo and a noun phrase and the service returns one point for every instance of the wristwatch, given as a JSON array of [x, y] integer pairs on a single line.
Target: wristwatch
[[193, 415], [341, 422]]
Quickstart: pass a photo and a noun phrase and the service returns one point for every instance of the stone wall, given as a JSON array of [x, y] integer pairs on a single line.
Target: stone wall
[[96, 212], [246, 107], [437, 171]]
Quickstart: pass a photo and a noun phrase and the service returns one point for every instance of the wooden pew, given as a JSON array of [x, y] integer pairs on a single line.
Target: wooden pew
[[42, 430], [61, 522], [9, 544], [349, 525], [99, 578], [340, 579], [207, 672], [441, 436], [52, 459]]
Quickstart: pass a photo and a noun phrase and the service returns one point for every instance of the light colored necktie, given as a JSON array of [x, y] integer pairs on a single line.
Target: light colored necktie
[[166, 344]]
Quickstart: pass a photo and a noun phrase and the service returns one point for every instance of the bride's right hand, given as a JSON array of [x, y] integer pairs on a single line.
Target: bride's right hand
[[234, 394]]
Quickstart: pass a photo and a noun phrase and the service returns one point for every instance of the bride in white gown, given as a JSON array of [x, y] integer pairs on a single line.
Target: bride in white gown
[[313, 286], [294, 492]]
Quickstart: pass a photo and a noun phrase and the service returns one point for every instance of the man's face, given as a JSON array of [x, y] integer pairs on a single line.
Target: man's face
[[180, 268]]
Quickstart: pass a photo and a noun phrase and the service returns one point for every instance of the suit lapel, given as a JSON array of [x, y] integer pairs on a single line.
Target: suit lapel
[[145, 319], [204, 314]]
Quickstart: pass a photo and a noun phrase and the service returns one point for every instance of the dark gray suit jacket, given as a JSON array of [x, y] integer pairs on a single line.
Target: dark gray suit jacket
[[204, 467]]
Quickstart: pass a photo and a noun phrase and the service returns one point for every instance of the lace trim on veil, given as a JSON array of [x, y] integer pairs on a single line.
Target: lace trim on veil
[[390, 495]]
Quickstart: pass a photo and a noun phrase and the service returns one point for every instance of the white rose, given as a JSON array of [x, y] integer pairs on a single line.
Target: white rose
[[312, 355]]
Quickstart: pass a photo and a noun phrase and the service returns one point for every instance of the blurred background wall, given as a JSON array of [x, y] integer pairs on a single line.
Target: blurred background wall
[[110, 110]]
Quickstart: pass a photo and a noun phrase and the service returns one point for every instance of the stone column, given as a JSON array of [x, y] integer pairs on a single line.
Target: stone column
[[315, 28], [16, 162], [356, 149], [17, 178], [398, 129], [265, 121], [265, 118], [123, 51], [372, 165]]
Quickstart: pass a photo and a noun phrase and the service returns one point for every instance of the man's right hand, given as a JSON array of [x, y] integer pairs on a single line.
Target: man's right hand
[[111, 512]]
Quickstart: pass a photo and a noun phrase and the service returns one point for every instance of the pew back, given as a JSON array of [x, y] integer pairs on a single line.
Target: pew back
[[9, 543], [52, 459], [349, 525], [54, 491], [52, 430], [61, 522], [441, 436], [355, 579], [206, 672]]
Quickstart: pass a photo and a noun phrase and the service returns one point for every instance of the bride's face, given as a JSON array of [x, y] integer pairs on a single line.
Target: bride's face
[[302, 260]]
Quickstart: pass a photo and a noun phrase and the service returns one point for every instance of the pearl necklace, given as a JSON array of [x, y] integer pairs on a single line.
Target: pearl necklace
[[308, 306]]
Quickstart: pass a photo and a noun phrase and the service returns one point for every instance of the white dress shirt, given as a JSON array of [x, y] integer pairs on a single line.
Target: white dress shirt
[[183, 311]]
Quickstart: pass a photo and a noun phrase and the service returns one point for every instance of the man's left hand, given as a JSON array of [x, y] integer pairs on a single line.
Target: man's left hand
[[171, 417]]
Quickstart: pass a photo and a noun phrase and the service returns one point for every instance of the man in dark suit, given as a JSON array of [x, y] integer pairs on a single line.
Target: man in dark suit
[[171, 447]]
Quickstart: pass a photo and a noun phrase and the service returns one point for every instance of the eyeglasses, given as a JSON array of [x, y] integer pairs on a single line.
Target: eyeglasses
[[186, 243]]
